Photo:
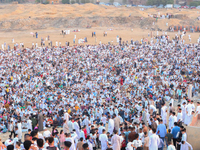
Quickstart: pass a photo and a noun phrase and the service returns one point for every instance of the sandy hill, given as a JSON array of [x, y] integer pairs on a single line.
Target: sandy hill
[[38, 16]]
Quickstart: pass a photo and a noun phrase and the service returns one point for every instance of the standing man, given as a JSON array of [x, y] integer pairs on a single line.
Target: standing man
[[104, 140], [36, 35], [190, 91], [171, 123], [71, 139], [76, 127], [154, 141], [65, 127], [144, 116], [115, 140], [179, 117], [179, 91], [40, 121], [161, 130], [110, 125], [66, 116], [164, 113], [116, 122], [175, 130], [183, 109]]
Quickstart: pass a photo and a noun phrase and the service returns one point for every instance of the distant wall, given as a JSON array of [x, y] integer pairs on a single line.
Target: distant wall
[[193, 136]]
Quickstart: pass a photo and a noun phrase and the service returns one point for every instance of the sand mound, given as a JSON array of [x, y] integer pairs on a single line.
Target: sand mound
[[39, 16]]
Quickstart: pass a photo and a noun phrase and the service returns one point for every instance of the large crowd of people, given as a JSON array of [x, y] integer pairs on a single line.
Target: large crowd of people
[[131, 96]]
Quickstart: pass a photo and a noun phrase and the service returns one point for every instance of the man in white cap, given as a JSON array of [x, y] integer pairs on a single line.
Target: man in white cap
[[46, 133]]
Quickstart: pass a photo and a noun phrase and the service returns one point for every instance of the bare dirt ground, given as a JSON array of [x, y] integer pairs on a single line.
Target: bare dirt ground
[[18, 21], [55, 36]]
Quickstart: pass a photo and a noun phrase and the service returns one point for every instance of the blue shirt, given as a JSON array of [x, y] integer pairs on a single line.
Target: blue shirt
[[175, 130], [162, 130], [179, 92]]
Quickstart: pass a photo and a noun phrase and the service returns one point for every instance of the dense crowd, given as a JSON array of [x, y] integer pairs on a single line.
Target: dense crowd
[[127, 96]]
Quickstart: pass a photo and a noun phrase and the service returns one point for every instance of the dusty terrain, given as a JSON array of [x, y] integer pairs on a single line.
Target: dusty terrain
[[38, 16], [18, 21]]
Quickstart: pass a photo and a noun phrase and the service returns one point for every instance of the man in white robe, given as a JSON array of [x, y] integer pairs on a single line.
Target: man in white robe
[[164, 114], [184, 143], [179, 117], [71, 139], [71, 125], [110, 125], [82, 135], [104, 140], [174, 117], [19, 125], [115, 141], [171, 121], [190, 91], [65, 127], [86, 123], [183, 107], [188, 112], [77, 128], [198, 108], [29, 123], [154, 141], [66, 116]]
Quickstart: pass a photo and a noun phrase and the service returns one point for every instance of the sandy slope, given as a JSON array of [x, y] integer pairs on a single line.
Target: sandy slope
[[29, 16], [17, 21]]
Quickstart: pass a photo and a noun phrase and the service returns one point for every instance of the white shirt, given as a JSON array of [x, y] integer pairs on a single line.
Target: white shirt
[[185, 146], [179, 116], [104, 139], [71, 139], [198, 110], [171, 147], [47, 133], [137, 143], [129, 147]]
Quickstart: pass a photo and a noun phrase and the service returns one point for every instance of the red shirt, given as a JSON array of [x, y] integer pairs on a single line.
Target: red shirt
[[121, 81], [85, 132], [123, 143]]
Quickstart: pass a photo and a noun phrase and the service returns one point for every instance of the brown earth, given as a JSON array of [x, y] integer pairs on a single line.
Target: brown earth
[[19, 20], [39, 16]]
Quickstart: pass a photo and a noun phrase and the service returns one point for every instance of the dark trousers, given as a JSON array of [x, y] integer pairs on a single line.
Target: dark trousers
[[180, 123], [12, 133], [98, 143], [179, 98], [154, 113], [178, 146], [174, 142]]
